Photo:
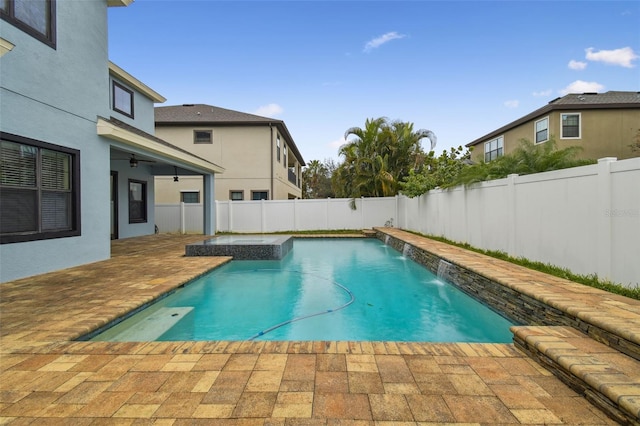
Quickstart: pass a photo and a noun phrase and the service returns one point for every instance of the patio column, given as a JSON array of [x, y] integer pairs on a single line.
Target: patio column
[[208, 205]]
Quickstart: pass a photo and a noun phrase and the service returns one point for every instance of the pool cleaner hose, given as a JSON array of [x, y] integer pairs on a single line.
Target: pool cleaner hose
[[315, 314]]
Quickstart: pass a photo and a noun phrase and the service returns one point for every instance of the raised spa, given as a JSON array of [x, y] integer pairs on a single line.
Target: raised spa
[[243, 247]]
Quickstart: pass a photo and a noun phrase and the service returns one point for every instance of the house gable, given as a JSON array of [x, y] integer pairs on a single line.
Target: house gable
[[605, 124]]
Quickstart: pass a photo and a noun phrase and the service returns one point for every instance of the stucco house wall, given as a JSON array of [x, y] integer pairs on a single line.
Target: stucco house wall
[[58, 121], [609, 124], [54, 96], [247, 151]]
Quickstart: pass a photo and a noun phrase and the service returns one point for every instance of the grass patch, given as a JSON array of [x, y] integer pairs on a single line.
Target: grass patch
[[591, 280]]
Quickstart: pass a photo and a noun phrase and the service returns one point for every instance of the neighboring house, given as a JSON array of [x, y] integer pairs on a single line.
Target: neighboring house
[[73, 126], [260, 158], [603, 124]]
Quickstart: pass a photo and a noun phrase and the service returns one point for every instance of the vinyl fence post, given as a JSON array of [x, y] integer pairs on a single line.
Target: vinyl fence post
[[182, 218], [605, 217], [511, 221]]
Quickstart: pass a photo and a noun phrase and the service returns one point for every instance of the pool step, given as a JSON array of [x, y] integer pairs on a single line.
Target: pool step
[[369, 233], [607, 378]]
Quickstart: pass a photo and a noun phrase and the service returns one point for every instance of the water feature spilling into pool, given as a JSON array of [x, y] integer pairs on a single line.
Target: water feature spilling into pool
[[324, 289]]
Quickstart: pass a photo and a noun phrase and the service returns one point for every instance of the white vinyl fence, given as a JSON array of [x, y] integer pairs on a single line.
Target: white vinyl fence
[[586, 219], [279, 215]]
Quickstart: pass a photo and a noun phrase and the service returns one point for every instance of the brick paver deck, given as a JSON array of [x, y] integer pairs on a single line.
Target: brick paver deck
[[47, 378]]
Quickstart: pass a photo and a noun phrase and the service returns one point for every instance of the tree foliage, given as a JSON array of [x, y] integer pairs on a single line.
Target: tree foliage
[[377, 160], [454, 167], [435, 172], [316, 179]]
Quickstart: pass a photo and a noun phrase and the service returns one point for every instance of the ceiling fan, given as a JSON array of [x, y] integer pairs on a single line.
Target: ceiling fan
[[133, 161]]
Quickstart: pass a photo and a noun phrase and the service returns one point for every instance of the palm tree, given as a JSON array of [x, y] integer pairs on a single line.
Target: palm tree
[[378, 158]]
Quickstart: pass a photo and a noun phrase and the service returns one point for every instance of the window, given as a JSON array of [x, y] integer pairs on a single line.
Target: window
[[278, 148], [542, 130], [570, 126], [285, 156], [122, 99], [202, 136], [259, 195], [35, 17], [494, 149], [137, 201], [39, 190], [190, 197], [236, 195]]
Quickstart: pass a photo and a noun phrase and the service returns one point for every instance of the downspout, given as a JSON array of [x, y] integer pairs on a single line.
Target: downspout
[[272, 177]]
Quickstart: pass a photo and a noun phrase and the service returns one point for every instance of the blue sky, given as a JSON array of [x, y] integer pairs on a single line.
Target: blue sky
[[459, 69]]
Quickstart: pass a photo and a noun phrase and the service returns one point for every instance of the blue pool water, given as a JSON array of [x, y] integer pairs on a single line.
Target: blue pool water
[[324, 289]]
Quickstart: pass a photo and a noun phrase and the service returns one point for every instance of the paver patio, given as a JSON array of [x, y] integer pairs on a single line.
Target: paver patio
[[47, 378]]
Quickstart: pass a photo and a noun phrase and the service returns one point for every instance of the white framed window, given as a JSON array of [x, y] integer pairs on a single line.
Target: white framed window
[[190, 197], [542, 130], [203, 136], [236, 195], [570, 125], [278, 147], [285, 155], [493, 149], [259, 195], [122, 99]]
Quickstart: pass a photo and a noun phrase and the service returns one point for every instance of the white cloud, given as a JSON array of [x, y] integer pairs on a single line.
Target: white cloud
[[379, 41], [270, 110], [580, 86], [622, 57], [336, 144], [543, 93], [577, 65], [512, 103]]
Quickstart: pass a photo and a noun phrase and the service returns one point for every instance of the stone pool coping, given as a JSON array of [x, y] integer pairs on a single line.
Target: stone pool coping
[[604, 364], [47, 377]]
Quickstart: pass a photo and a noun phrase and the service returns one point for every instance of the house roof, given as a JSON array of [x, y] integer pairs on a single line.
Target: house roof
[[109, 128], [202, 114], [573, 101]]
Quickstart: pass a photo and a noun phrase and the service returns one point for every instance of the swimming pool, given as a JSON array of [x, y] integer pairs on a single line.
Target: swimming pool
[[324, 289]]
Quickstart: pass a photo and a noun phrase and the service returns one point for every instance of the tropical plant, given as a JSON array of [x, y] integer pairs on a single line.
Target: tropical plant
[[526, 159], [380, 156]]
